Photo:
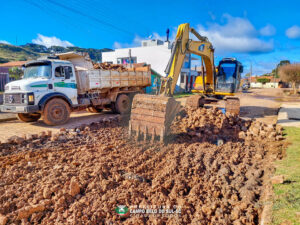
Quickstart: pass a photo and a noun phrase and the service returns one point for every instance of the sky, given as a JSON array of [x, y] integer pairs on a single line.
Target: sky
[[256, 32]]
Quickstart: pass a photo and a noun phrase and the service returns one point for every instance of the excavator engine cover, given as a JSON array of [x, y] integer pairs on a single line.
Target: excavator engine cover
[[152, 115]]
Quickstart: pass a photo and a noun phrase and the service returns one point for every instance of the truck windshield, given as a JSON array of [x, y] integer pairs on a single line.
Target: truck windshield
[[227, 71], [35, 71]]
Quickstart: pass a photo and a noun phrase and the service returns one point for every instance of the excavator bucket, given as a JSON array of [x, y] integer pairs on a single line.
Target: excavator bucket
[[151, 116]]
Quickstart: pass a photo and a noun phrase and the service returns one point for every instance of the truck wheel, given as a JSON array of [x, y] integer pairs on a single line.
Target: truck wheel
[[123, 104], [94, 110], [56, 112], [29, 117]]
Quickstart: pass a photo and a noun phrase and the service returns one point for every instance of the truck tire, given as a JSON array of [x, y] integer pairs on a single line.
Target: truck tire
[[123, 104], [29, 117], [94, 110], [56, 112]]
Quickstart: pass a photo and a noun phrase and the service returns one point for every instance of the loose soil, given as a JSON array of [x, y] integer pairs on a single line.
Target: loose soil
[[213, 168]]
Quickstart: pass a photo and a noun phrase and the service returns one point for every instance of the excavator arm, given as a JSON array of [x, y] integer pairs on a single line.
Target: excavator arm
[[185, 45]]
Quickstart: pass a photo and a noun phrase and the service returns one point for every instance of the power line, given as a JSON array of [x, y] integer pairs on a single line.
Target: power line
[[90, 17], [67, 20]]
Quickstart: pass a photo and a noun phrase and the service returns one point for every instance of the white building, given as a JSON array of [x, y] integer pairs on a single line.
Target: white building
[[156, 53]]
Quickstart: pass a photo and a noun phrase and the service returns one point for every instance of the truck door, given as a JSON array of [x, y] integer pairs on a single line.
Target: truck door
[[65, 82]]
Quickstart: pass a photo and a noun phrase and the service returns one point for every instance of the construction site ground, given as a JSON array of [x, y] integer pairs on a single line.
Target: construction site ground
[[213, 169]]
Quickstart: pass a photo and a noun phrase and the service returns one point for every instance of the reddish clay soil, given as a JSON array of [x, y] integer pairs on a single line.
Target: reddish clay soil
[[213, 168]]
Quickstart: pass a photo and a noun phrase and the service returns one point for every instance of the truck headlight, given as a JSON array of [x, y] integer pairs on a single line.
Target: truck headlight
[[31, 99]]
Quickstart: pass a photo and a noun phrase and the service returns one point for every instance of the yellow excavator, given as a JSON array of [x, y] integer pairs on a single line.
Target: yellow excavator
[[152, 115]]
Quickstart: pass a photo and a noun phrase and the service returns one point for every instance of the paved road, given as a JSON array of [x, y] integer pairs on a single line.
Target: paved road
[[289, 114], [16, 127]]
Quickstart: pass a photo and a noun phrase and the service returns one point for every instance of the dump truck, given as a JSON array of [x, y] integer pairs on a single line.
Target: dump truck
[[57, 85]]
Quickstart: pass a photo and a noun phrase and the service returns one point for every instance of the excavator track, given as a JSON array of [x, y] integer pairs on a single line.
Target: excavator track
[[151, 116]]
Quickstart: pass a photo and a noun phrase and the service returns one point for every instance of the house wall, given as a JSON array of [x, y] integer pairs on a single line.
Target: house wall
[[266, 85]]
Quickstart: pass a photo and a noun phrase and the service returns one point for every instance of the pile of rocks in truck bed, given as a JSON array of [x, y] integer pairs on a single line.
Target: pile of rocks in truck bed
[[211, 124], [109, 66]]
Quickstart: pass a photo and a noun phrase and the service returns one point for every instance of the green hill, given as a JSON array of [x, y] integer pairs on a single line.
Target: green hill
[[33, 51]]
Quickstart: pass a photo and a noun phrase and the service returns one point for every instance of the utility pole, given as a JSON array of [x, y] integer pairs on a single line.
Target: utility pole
[[250, 72]]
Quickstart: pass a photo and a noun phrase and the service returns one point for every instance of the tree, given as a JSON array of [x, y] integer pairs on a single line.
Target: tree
[[15, 72], [263, 80], [281, 63], [290, 73]]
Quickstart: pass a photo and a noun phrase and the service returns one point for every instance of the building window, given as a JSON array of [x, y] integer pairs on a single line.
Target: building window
[[182, 79], [126, 60]]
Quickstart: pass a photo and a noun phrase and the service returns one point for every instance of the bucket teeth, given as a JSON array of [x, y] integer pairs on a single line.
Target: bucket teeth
[[152, 116]]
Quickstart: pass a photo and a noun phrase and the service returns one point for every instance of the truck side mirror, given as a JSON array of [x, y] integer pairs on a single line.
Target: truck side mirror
[[67, 75]]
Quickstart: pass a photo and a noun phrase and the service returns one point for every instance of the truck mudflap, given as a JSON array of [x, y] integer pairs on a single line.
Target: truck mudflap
[[19, 109], [151, 116]]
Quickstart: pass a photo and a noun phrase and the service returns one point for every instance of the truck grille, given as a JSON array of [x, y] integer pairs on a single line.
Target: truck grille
[[11, 99]]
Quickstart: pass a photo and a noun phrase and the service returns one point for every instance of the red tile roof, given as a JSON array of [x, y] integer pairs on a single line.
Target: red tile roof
[[13, 64]]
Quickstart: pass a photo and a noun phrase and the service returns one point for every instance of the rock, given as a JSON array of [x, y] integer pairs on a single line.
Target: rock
[[19, 140], [30, 145], [54, 137], [35, 136], [29, 210], [47, 193], [42, 134], [11, 140], [279, 138], [3, 219], [29, 137], [74, 187], [277, 179], [61, 138], [77, 130], [242, 134], [49, 133]]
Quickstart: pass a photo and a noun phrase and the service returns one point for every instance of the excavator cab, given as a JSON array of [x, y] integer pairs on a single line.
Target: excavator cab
[[228, 75]]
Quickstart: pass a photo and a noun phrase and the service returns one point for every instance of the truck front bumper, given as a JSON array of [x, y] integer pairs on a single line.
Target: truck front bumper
[[19, 109]]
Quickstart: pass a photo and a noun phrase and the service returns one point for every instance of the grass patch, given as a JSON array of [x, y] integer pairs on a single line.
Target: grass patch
[[182, 95], [287, 195]]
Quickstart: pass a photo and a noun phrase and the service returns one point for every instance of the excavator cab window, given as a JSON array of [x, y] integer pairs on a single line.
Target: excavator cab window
[[226, 77]]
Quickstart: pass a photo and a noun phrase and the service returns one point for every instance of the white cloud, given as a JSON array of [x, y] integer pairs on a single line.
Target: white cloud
[[4, 42], [237, 35], [50, 41], [293, 32], [268, 30], [137, 41]]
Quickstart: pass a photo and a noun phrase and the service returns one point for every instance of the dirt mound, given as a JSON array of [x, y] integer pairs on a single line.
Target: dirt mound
[[212, 125], [82, 175]]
